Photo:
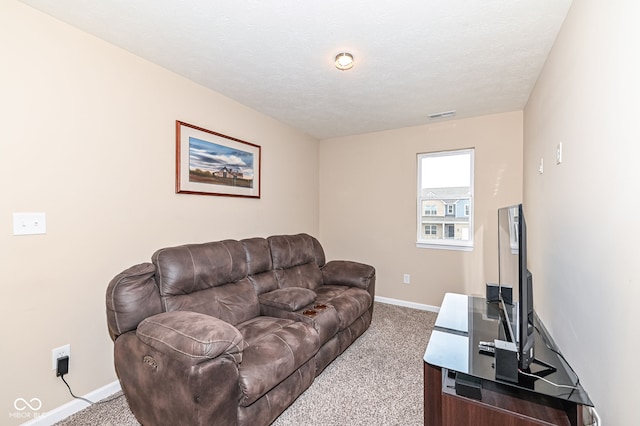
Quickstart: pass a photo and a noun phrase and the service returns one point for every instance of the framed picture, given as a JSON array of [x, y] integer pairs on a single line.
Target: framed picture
[[210, 163]]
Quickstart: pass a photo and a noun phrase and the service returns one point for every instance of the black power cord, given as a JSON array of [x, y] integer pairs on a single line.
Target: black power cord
[[103, 401], [63, 368], [71, 392]]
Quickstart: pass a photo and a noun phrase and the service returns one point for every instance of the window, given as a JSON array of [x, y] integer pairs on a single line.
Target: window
[[430, 230], [445, 179], [430, 210]]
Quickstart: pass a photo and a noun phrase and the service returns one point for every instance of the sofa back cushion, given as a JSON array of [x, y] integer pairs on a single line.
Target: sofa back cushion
[[209, 278], [260, 265], [318, 251], [296, 261]]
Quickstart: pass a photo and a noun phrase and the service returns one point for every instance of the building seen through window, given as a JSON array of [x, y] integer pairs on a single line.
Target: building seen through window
[[445, 199]]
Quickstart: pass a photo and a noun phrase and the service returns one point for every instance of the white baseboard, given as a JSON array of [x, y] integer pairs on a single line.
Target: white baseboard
[[413, 305], [72, 407]]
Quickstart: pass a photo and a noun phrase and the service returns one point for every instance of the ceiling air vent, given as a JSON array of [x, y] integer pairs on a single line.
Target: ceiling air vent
[[445, 114]]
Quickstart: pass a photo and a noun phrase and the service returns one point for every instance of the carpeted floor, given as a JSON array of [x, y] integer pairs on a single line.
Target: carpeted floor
[[378, 380]]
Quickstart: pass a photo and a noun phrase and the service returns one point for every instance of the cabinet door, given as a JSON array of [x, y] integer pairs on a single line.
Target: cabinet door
[[432, 395], [500, 409]]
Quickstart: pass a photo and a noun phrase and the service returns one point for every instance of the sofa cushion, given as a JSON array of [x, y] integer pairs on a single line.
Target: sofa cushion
[[258, 255], [291, 250], [349, 302], [268, 407], [305, 276], [209, 278], [259, 264], [264, 282], [275, 349], [233, 303], [193, 267], [295, 260], [288, 299]]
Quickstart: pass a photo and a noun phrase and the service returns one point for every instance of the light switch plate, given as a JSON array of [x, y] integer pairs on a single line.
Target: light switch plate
[[29, 223]]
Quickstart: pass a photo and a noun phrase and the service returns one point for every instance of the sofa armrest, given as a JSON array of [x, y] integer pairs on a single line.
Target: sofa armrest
[[348, 273], [132, 296], [191, 337]]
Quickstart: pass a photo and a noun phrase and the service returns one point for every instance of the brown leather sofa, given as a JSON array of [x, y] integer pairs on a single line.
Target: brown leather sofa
[[232, 332]]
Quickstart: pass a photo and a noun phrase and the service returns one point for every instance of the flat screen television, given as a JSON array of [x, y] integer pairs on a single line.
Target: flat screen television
[[513, 272]]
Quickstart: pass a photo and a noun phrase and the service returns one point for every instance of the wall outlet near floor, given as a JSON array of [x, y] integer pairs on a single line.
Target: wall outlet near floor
[[60, 352], [406, 278]]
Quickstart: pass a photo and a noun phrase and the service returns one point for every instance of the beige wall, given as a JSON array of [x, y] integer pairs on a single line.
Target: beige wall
[[88, 136], [368, 203], [583, 214]]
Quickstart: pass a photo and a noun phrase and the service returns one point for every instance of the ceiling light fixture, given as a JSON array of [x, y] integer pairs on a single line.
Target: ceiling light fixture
[[445, 114], [344, 61]]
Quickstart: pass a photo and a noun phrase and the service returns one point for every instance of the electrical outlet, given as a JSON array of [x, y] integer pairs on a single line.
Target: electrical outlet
[[60, 352], [406, 279]]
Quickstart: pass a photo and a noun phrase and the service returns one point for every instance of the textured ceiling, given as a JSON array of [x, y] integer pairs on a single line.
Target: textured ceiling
[[412, 57]]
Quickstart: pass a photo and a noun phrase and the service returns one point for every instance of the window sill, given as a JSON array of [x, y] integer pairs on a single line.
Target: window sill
[[445, 246]]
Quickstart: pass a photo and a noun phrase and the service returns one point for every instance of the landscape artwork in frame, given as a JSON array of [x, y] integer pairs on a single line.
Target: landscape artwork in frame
[[210, 163]]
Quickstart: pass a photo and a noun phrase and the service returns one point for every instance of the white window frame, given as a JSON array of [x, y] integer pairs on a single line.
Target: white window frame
[[446, 244]]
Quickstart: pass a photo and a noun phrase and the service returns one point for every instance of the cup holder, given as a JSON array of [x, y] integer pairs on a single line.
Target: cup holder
[[320, 307], [310, 312]]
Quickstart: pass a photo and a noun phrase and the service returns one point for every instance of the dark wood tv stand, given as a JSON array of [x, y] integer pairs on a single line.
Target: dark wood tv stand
[[453, 348]]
